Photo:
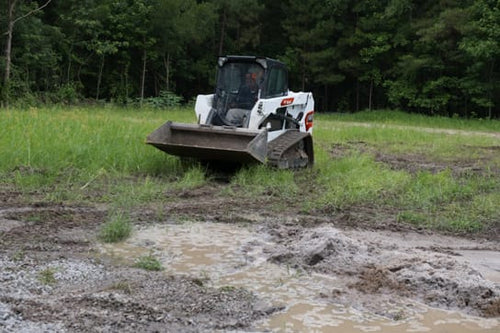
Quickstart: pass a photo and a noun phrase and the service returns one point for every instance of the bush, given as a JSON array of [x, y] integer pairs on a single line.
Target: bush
[[66, 94], [166, 99]]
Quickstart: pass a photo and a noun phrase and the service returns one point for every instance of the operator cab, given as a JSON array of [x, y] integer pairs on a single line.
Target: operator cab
[[241, 82]]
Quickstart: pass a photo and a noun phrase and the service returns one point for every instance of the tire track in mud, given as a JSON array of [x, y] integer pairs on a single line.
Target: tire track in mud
[[391, 265]]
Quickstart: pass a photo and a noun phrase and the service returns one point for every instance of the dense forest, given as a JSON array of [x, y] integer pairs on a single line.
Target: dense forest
[[428, 56]]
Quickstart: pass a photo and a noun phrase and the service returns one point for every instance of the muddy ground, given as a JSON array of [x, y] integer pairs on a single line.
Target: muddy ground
[[55, 277]]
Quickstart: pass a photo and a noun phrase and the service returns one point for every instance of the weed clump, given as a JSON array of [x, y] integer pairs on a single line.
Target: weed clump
[[149, 263], [123, 286], [193, 178], [47, 276], [116, 229]]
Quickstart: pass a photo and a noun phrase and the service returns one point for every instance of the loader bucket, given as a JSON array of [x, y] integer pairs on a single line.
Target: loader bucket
[[211, 143]]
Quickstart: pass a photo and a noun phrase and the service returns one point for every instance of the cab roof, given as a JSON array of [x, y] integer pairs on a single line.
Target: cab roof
[[263, 61]]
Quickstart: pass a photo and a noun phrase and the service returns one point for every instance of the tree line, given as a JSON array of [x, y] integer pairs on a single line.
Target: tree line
[[428, 56]]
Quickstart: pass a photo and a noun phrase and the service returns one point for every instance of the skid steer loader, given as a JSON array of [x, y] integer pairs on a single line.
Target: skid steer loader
[[251, 118]]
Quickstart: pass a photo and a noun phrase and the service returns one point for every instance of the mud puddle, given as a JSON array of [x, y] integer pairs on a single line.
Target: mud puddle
[[228, 256], [487, 262]]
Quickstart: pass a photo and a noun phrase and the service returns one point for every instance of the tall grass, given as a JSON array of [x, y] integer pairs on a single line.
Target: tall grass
[[432, 146], [444, 199], [82, 144], [89, 140], [98, 154], [355, 179], [117, 228], [93, 154], [439, 200], [195, 176], [261, 180]]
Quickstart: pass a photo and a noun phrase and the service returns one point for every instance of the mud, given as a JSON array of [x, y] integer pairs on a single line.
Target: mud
[[392, 265], [231, 265], [244, 256], [414, 163], [53, 278]]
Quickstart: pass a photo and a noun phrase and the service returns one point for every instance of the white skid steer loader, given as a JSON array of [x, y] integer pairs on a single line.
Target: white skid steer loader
[[251, 118]]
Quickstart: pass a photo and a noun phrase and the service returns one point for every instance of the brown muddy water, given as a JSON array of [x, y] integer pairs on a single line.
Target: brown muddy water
[[230, 256]]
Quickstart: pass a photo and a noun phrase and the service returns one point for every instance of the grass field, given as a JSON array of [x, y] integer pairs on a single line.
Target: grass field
[[437, 173]]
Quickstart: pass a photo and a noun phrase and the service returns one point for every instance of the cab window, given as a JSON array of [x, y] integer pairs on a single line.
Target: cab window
[[277, 82]]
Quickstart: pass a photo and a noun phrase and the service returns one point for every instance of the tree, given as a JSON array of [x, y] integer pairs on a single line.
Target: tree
[[313, 28], [131, 21], [419, 55], [427, 76], [11, 22], [179, 26], [481, 43], [366, 45], [239, 25]]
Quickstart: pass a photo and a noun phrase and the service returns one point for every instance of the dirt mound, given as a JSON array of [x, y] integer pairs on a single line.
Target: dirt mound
[[384, 267], [376, 279]]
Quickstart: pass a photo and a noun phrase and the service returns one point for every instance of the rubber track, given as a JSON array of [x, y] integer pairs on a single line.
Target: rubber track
[[281, 144]]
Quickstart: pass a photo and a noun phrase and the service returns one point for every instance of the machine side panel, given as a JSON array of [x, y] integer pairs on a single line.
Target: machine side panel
[[203, 106], [295, 103]]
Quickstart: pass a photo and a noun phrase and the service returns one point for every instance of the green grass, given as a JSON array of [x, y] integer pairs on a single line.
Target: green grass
[[97, 155], [47, 276], [263, 181], [149, 263], [355, 179], [195, 176], [441, 146], [392, 117], [443, 201], [116, 229], [83, 143], [439, 200], [127, 193], [72, 154]]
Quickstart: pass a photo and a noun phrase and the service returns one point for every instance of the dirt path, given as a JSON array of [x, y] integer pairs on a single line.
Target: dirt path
[[421, 129]]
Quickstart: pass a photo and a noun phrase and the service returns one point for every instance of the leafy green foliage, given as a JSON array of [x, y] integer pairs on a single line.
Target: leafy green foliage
[[166, 99], [427, 57]]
